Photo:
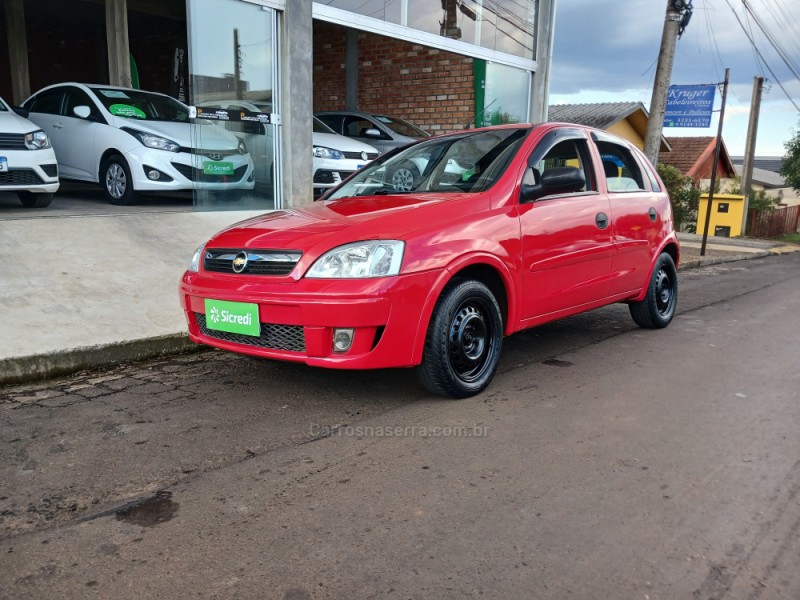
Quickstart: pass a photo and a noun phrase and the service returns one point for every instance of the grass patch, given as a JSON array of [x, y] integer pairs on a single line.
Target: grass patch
[[791, 238]]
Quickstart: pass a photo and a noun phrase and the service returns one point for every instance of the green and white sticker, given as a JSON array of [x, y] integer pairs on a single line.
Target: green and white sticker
[[233, 317], [126, 110], [218, 168]]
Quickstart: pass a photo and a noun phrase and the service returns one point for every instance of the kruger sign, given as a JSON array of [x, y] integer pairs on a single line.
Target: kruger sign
[[689, 106]]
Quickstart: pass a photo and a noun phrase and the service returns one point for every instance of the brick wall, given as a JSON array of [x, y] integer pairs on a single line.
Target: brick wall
[[433, 89]]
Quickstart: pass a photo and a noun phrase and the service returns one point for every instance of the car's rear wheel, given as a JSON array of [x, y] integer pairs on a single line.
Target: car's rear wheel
[[117, 181], [35, 200], [405, 177], [465, 337], [658, 307]]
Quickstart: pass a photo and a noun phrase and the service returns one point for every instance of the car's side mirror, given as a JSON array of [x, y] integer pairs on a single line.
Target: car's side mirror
[[22, 112], [560, 180], [82, 111], [373, 133]]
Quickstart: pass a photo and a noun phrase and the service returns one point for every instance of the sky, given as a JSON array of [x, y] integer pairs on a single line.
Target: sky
[[607, 51]]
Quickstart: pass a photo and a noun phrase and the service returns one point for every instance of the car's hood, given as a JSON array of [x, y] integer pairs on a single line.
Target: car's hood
[[326, 224], [203, 135], [11, 122], [340, 142]]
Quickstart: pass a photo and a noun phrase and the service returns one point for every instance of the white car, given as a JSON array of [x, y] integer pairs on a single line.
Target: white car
[[134, 141], [27, 162], [335, 156]]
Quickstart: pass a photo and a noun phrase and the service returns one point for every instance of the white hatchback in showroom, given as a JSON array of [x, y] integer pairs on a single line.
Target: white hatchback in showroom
[[27, 161], [135, 141]]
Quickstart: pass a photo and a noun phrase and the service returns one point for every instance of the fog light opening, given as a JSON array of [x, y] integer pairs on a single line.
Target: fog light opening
[[153, 174], [342, 339]]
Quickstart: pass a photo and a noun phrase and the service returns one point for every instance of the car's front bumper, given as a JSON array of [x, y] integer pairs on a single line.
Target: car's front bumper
[[184, 171], [33, 171], [298, 318], [329, 173]]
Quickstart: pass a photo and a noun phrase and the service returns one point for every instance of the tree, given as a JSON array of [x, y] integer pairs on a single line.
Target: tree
[[790, 169], [683, 195]]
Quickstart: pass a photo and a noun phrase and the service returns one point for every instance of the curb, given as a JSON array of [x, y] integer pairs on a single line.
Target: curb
[[25, 369], [700, 262]]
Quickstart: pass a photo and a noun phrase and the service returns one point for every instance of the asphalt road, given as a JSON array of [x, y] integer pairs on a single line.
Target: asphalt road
[[603, 462]]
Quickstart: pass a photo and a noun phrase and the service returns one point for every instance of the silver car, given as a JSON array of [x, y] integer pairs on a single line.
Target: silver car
[[383, 132]]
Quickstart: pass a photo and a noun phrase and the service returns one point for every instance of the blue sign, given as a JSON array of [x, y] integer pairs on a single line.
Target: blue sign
[[689, 105]]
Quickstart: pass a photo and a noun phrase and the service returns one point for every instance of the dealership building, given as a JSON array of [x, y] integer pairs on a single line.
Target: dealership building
[[442, 65]]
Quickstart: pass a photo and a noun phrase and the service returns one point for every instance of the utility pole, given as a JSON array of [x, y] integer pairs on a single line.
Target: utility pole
[[677, 18], [750, 147], [716, 162]]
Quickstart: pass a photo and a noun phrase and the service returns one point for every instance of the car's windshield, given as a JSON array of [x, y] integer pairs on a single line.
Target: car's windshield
[[467, 162], [402, 127], [143, 106], [320, 127], [3, 105]]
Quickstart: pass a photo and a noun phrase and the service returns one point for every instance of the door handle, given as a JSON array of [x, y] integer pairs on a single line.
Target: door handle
[[601, 219], [58, 126], [652, 214]]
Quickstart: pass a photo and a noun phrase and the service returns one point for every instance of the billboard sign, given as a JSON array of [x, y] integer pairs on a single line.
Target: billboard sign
[[689, 105]]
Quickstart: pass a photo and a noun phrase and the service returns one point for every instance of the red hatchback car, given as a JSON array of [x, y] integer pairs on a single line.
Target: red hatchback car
[[433, 253]]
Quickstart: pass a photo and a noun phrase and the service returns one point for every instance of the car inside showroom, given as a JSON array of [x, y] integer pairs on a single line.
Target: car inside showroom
[[252, 74]]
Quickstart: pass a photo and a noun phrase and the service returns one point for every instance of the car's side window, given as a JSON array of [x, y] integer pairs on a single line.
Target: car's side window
[[571, 152], [620, 167], [76, 97], [47, 102], [356, 127]]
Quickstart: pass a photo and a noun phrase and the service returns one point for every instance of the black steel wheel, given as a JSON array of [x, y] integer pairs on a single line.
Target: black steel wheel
[[464, 341], [117, 181], [658, 307]]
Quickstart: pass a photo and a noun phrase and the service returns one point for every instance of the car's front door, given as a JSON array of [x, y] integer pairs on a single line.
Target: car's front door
[[79, 158], [567, 245]]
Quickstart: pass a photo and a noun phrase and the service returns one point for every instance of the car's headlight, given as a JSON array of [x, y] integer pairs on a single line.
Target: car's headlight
[[242, 146], [153, 141], [194, 266], [37, 140], [376, 258], [323, 152]]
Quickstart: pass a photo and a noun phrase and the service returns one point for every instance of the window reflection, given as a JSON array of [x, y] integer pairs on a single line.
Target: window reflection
[[504, 25]]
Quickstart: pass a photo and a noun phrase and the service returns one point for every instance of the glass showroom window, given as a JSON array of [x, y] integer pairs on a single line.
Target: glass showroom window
[[232, 57], [507, 26], [504, 95]]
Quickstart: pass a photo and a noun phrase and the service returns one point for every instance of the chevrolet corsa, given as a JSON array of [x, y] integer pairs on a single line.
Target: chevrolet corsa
[[500, 229]]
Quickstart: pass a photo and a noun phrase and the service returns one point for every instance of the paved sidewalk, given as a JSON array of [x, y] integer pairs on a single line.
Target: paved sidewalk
[[90, 290]]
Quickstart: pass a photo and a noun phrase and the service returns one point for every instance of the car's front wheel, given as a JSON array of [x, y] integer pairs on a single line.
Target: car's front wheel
[[657, 308], [465, 337], [34, 200], [117, 181]]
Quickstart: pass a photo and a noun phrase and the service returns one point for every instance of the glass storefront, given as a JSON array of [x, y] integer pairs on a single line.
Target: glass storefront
[[233, 78], [501, 94], [504, 25]]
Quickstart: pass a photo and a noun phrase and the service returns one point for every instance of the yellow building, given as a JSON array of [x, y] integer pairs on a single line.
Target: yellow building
[[726, 215]]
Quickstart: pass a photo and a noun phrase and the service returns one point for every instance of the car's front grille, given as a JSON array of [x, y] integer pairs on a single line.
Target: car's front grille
[[193, 174], [357, 155], [259, 262], [274, 337], [20, 177], [324, 176], [212, 154], [12, 141]]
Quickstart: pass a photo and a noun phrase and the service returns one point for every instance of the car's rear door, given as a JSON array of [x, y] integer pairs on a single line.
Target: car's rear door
[[566, 238], [636, 221]]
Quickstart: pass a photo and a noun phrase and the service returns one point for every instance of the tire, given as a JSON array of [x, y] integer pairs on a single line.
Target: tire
[[115, 175], [32, 200], [464, 341], [658, 307], [405, 177]]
